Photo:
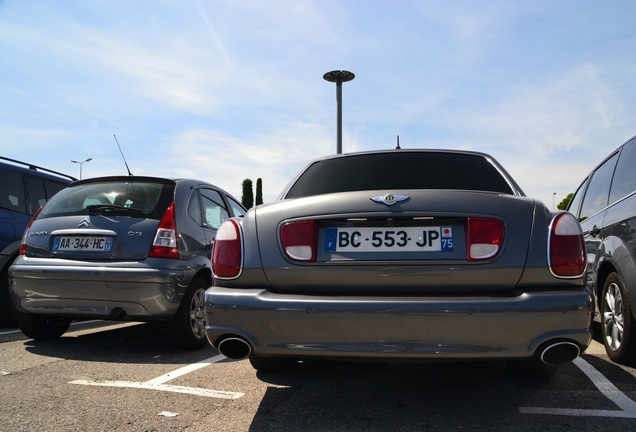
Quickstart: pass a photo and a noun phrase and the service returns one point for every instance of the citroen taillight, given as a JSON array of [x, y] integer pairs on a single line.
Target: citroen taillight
[[165, 244], [566, 246], [484, 238], [227, 252], [26, 233]]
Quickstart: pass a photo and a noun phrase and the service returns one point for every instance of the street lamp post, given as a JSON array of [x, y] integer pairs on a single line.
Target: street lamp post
[[82, 163], [339, 76], [553, 208]]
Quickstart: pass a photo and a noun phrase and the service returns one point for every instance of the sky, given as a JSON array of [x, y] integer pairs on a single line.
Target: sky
[[222, 91]]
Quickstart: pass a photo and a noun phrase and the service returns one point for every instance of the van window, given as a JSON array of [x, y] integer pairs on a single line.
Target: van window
[[52, 188], [12, 191], [624, 181], [598, 191], [36, 194]]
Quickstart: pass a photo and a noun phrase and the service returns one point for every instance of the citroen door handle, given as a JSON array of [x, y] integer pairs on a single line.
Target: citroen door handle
[[595, 231]]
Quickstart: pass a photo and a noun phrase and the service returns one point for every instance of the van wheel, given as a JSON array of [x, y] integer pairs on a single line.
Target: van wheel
[[42, 327], [187, 327], [7, 311], [617, 324]]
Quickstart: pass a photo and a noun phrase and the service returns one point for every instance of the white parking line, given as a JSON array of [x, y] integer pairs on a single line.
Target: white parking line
[[626, 405], [185, 370], [158, 383], [162, 387]]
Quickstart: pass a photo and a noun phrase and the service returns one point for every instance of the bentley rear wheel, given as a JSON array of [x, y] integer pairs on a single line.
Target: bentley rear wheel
[[273, 364]]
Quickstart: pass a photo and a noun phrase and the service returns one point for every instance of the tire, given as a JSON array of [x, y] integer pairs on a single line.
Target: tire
[[617, 325], [7, 311], [187, 327], [42, 327], [273, 364]]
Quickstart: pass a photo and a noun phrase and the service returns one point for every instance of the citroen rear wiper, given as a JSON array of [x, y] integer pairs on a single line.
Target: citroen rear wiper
[[108, 208]]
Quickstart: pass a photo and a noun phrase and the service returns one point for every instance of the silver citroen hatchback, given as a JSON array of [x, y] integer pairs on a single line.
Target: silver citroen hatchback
[[120, 248]]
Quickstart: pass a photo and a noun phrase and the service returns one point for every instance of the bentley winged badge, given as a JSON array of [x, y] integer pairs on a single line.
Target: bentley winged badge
[[389, 199]]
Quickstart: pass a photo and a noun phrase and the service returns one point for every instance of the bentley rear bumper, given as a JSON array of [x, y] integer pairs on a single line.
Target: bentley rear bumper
[[400, 328]]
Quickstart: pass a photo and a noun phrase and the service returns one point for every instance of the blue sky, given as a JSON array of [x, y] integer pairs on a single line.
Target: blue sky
[[228, 90]]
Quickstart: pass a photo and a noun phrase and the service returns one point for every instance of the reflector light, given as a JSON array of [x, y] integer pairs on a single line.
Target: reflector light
[[227, 252], [566, 246], [165, 243], [299, 240], [484, 238], [301, 253]]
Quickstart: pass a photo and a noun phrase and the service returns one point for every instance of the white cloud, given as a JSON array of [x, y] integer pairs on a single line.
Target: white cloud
[[226, 90], [555, 117], [226, 160]]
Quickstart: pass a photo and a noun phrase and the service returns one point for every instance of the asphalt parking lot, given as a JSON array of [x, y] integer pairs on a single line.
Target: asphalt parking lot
[[105, 376]]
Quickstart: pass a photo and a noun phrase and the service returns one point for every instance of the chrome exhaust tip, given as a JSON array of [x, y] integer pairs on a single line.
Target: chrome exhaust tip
[[560, 353], [234, 348]]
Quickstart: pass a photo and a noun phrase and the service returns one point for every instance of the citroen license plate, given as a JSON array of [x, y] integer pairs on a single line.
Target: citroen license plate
[[83, 243]]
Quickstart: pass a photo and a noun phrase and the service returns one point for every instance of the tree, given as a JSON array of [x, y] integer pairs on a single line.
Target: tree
[[247, 199], [259, 191], [564, 204]]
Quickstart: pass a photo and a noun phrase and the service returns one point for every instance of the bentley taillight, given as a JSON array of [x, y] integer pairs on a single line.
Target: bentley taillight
[[165, 244], [227, 252], [566, 247]]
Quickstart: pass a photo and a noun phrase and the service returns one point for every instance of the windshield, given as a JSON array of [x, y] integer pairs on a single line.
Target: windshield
[[400, 170], [141, 199]]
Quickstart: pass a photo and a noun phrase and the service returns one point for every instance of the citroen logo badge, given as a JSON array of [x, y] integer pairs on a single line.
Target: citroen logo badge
[[84, 223], [389, 199]]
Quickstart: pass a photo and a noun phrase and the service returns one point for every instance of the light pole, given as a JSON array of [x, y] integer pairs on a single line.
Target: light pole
[[339, 76], [553, 194], [80, 164]]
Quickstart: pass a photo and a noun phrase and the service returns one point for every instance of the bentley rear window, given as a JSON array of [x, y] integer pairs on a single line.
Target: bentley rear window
[[130, 198], [400, 170]]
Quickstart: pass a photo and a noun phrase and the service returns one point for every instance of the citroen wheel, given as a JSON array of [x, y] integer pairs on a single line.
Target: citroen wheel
[[187, 328], [42, 327]]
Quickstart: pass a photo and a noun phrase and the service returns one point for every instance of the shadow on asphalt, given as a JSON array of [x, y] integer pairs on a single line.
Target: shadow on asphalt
[[333, 395], [138, 343]]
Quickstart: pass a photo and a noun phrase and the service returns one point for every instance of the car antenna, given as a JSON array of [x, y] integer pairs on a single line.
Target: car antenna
[[398, 144], [122, 155]]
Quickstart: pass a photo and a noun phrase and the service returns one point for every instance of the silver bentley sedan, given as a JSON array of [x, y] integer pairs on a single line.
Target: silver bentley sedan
[[401, 255]]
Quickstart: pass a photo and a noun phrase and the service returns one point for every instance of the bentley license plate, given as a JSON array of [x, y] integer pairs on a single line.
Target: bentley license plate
[[405, 239], [83, 243]]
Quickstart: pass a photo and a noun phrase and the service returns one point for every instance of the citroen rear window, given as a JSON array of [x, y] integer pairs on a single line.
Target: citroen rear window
[[128, 198], [400, 170]]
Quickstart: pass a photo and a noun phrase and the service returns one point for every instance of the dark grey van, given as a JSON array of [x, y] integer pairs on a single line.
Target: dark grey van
[[605, 205], [24, 187]]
